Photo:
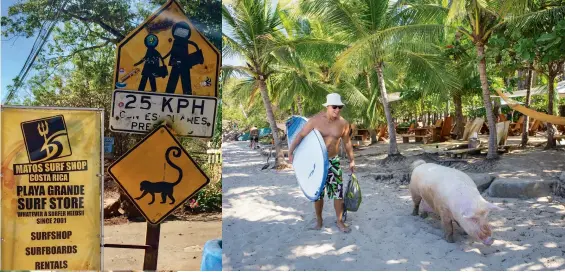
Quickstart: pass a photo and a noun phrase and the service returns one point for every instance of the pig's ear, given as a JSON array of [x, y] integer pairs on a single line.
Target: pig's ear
[[494, 207]]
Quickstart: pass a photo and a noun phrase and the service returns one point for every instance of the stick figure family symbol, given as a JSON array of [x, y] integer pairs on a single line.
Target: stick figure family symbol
[[180, 60]]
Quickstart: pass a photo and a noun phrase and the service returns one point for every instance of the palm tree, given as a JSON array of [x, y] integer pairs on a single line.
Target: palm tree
[[254, 28], [481, 19], [384, 36]]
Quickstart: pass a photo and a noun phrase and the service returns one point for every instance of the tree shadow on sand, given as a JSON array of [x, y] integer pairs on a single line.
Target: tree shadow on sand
[[266, 220]]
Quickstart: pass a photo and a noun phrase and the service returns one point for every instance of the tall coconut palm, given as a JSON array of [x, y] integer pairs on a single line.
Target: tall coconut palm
[[252, 28], [384, 35], [481, 19]]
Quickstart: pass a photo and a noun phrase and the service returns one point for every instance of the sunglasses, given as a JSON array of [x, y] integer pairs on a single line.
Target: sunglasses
[[337, 107]]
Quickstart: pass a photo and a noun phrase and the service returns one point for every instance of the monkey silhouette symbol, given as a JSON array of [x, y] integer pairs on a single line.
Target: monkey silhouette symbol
[[181, 61], [162, 187], [151, 68]]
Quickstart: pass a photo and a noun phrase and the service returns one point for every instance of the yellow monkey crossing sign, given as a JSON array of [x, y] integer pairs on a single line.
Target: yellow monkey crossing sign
[[158, 175], [167, 54]]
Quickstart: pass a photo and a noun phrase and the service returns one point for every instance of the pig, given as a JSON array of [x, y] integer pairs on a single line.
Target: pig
[[452, 195]]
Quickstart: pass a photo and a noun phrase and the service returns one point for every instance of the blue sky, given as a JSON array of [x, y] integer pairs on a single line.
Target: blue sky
[[13, 54]]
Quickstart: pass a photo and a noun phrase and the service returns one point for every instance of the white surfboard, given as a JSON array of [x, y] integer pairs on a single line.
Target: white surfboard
[[310, 161]]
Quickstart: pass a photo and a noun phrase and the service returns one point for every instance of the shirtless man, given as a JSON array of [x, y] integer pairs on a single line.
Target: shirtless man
[[253, 137], [333, 128]]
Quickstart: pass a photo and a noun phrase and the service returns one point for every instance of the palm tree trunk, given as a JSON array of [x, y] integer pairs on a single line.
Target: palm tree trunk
[[423, 113], [496, 111], [551, 143], [527, 118], [486, 100], [392, 148], [459, 122], [299, 104], [373, 134], [279, 161]]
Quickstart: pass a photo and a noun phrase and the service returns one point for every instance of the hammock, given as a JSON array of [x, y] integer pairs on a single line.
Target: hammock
[[556, 120]]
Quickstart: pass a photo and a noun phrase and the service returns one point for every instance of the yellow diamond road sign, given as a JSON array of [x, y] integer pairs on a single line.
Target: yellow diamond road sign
[[166, 53], [158, 175]]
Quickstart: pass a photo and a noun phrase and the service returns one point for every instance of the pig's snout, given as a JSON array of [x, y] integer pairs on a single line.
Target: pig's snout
[[488, 241], [486, 235]]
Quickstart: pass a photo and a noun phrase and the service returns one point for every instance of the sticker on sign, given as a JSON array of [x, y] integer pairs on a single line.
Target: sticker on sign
[[137, 112]]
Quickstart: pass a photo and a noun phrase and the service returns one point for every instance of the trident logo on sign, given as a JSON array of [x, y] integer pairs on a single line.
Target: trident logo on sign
[[52, 147], [46, 139]]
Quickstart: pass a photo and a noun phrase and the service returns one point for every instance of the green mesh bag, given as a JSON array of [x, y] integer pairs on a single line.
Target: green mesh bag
[[353, 194]]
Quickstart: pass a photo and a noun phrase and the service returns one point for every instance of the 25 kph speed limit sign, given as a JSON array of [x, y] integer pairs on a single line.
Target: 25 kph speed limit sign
[[137, 112]]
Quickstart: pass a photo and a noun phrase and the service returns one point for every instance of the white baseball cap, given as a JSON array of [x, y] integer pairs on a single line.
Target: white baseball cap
[[333, 99]]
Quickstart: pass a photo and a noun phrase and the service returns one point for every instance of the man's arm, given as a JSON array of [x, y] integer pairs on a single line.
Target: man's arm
[[348, 146], [303, 132]]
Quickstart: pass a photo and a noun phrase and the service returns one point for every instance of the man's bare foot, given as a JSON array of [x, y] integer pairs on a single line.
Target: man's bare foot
[[341, 226], [317, 226]]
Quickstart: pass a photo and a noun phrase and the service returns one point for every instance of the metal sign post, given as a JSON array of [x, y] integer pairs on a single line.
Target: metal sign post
[[152, 240]]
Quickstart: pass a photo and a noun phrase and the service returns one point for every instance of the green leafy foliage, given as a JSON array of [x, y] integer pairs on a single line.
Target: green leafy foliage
[[209, 199], [205, 15], [551, 45]]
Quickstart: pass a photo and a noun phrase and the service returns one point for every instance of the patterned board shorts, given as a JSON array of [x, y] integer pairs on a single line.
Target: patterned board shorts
[[334, 181]]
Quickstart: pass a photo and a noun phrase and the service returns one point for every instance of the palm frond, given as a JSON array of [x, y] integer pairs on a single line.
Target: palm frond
[[353, 95], [429, 71], [231, 48], [230, 72], [233, 26], [457, 11], [335, 13], [514, 7], [243, 90], [419, 14], [381, 43], [535, 19], [292, 83], [374, 14]]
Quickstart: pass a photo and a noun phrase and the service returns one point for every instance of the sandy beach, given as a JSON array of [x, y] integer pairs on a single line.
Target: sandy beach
[[266, 216], [180, 247]]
